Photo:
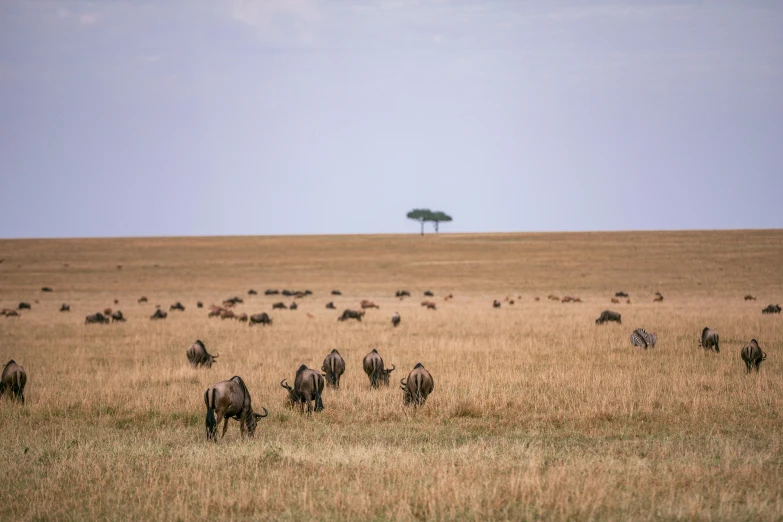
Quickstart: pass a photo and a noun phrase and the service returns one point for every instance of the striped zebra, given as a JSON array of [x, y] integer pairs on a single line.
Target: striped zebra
[[642, 339]]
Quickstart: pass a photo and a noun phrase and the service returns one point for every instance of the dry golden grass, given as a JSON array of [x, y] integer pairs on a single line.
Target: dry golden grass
[[537, 412]]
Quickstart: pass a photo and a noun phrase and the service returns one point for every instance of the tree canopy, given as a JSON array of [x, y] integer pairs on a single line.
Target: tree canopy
[[423, 215]]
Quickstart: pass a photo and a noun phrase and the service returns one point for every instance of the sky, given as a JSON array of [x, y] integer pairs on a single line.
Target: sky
[[257, 117]]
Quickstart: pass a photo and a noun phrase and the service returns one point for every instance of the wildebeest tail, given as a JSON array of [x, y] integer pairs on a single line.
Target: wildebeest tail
[[211, 422], [319, 405], [333, 372]]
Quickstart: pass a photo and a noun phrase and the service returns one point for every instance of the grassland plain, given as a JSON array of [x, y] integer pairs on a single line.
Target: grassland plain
[[537, 412]]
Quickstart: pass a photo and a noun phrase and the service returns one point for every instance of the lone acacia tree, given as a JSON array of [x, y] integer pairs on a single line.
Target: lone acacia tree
[[421, 215], [439, 217]]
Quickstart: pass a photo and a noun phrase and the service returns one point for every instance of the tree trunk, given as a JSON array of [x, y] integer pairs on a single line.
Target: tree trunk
[[422, 227], [436, 227]]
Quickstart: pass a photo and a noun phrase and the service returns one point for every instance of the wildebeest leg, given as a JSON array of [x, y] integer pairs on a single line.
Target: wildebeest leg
[[747, 366], [242, 425], [225, 427]]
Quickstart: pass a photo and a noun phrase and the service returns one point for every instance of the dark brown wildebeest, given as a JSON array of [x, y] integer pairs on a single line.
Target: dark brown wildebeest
[[495, 304], [396, 319], [333, 367], [511, 302], [142, 299], [608, 315], [293, 306], [658, 297], [270, 291], [159, 314], [752, 355], [417, 386], [368, 304], [24, 306], [620, 294], [351, 314], [199, 304], [117, 317], [428, 293], [429, 305], [709, 339], [214, 311], [374, 368], [287, 293], [234, 300], [229, 399], [749, 298], [198, 356], [336, 292], [330, 305], [281, 306], [308, 386], [177, 306], [9, 312], [242, 318], [13, 381], [402, 293], [299, 295], [252, 292], [65, 307], [771, 309], [46, 289], [96, 318], [107, 311], [261, 318], [227, 314]]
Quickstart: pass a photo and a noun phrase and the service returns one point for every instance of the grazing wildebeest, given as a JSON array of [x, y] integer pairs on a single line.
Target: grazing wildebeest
[[308, 386], [429, 305], [46, 289], [396, 319], [417, 386], [351, 314], [299, 295], [117, 317], [620, 294], [198, 356], [293, 306], [199, 304], [428, 293], [749, 298], [373, 367], [709, 339], [24, 306], [608, 315], [752, 355], [242, 318], [142, 299], [642, 339], [495, 304], [230, 399], [261, 318], [177, 306], [658, 297], [333, 367], [252, 292], [402, 293], [279, 305], [269, 291], [330, 305], [771, 309], [159, 314], [13, 380], [336, 292], [227, 314], [96, 318], [214, 311], [9, 312], [368, 304], [65, 307]]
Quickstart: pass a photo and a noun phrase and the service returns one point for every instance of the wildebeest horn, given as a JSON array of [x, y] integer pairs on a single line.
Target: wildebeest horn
[[393, 367], [402, 381], [216, 356], [266, 412], [286, 386]]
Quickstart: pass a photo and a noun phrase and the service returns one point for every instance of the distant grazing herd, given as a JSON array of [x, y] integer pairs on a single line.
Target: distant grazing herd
[[231, 398]]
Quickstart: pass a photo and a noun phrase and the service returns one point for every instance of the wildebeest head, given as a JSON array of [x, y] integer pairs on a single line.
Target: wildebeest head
[[293, 397]]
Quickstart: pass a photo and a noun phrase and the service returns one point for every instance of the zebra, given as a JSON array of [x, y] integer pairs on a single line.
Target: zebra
[[641, 338]]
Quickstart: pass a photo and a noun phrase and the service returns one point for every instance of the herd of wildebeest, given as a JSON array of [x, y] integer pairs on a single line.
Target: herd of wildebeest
[[231, 399]]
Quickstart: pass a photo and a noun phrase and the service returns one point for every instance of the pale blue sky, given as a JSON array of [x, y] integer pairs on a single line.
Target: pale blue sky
[[210, 117]]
